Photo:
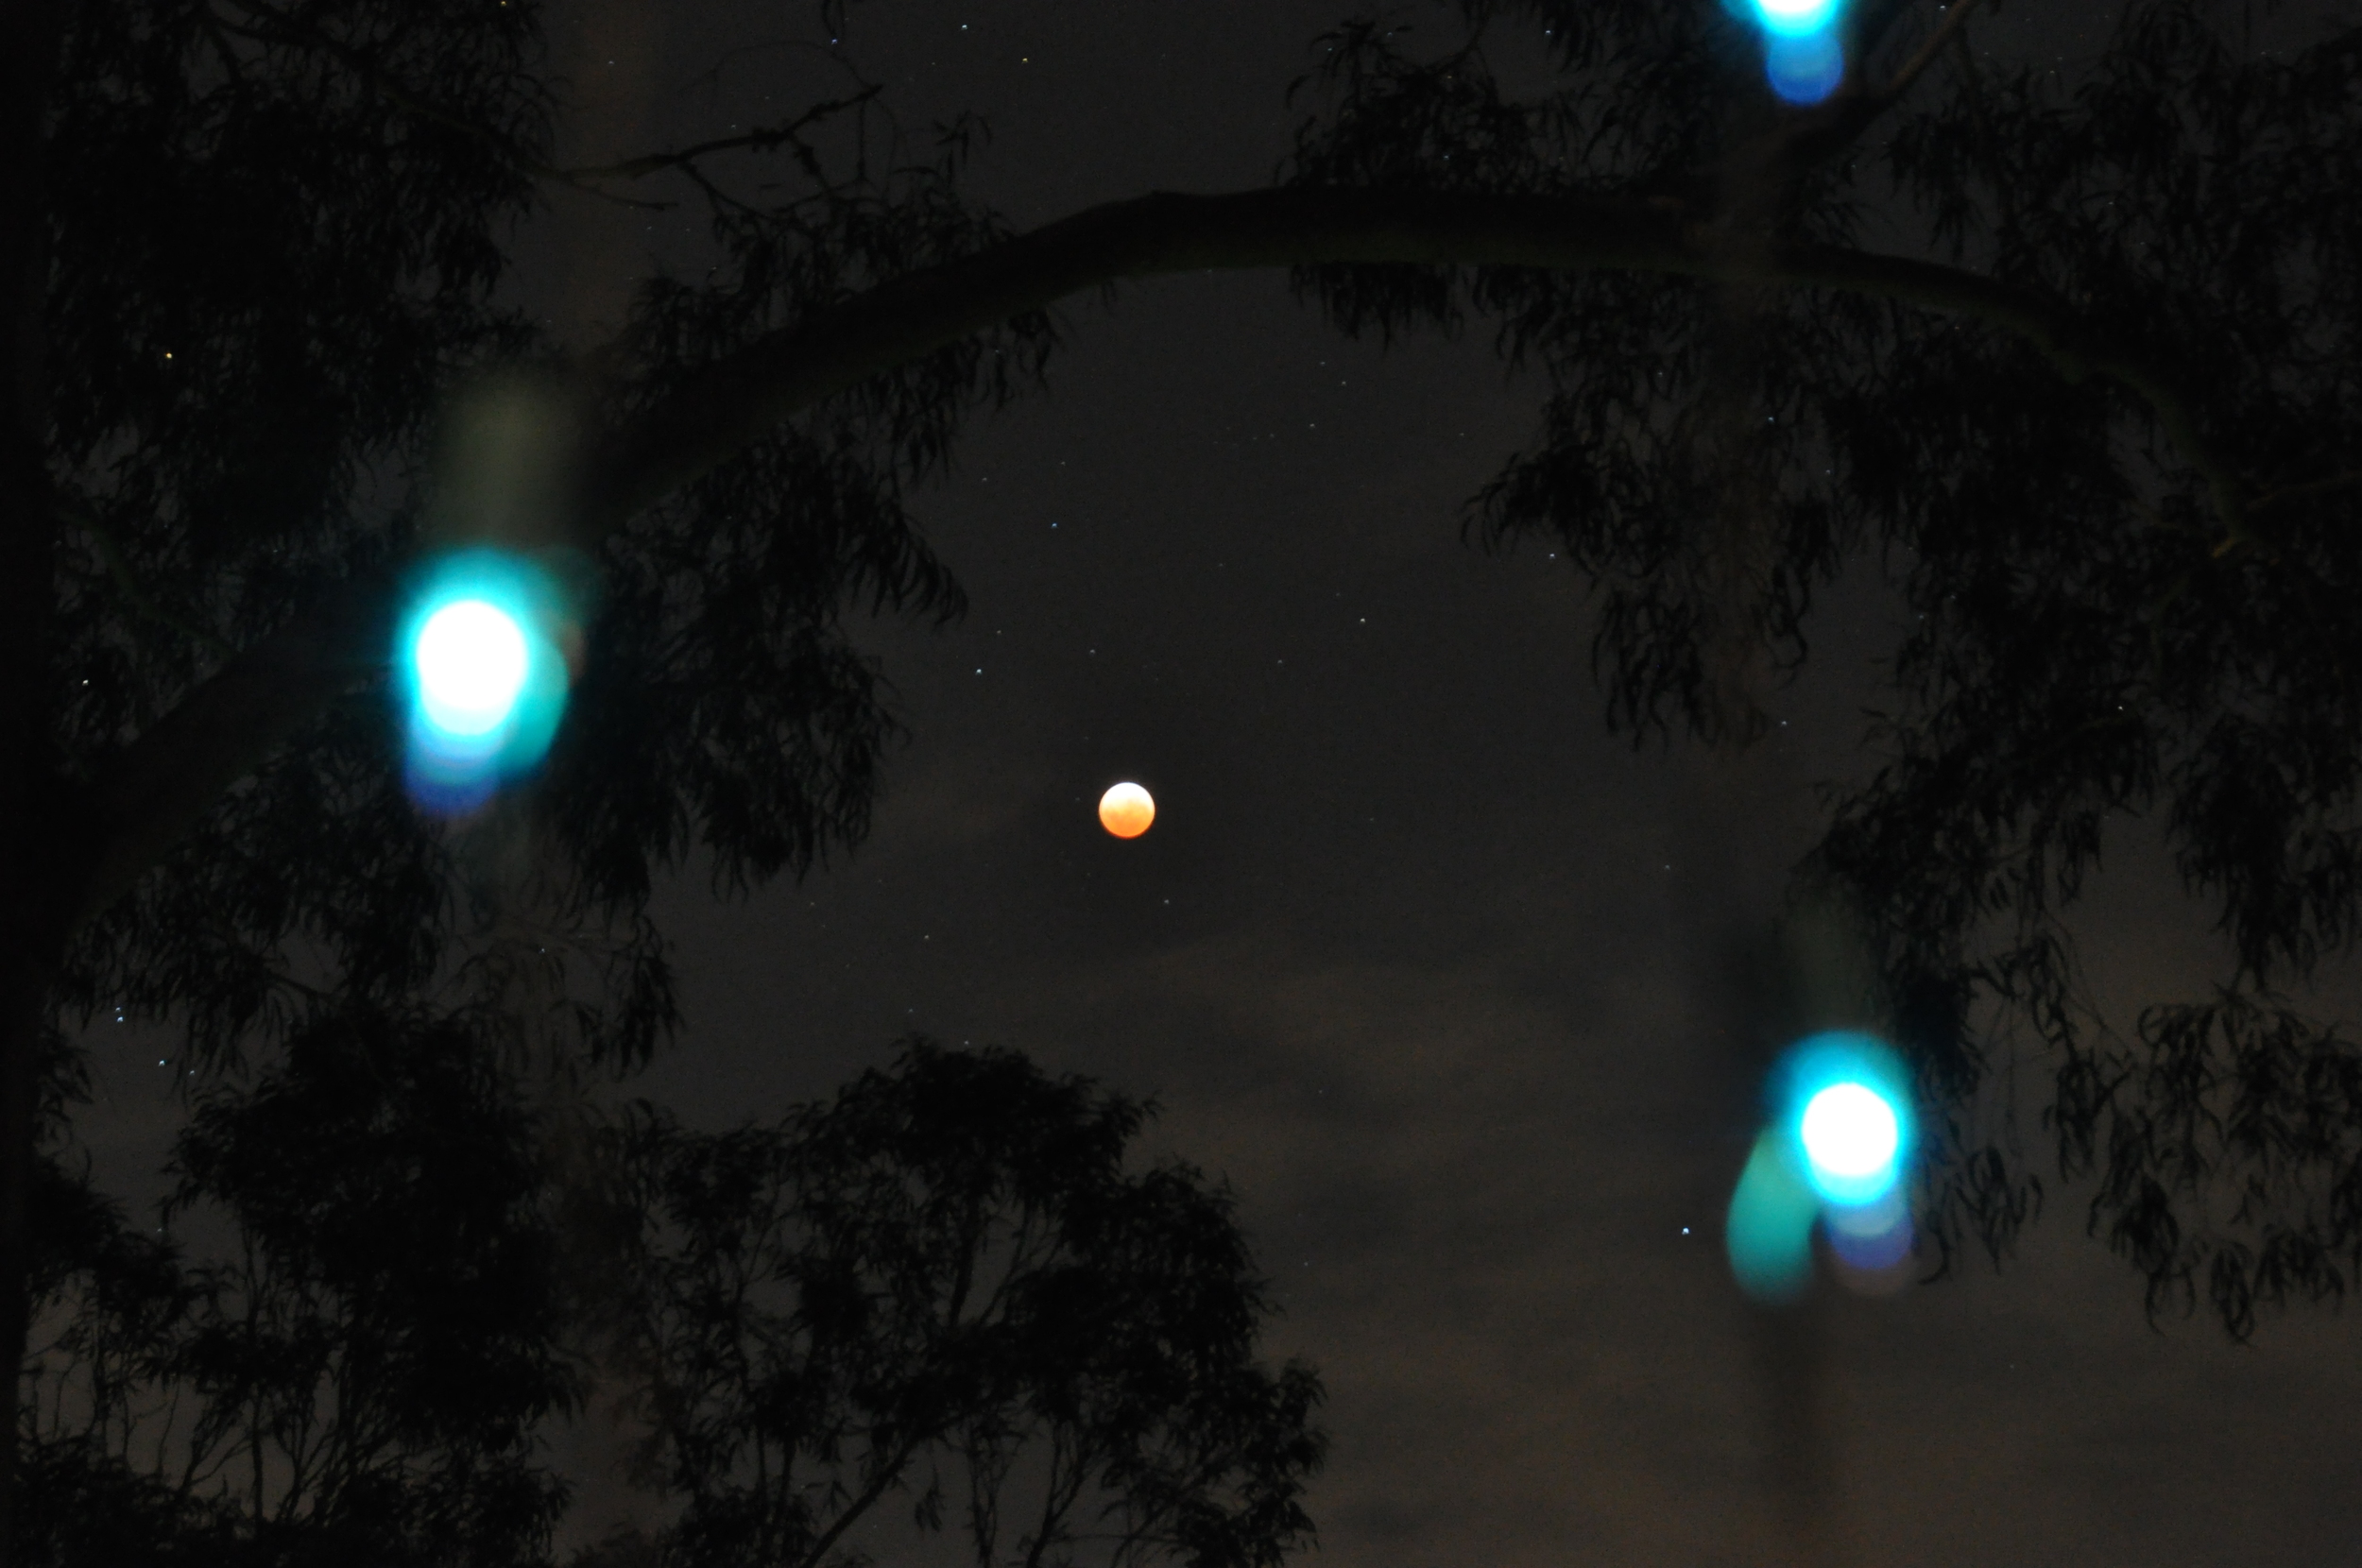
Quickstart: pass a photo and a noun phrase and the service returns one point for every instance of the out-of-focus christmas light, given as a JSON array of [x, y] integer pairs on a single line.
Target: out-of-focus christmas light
[[1836, 1151], [1803, 54], [1804, 71], [1845, 1103], [471, 661], [482, 676], [1850, 1135], [1795, 18]]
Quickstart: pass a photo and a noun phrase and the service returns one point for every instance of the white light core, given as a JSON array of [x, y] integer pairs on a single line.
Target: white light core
[[1850, 1131], [471, 661], [1793, 18]]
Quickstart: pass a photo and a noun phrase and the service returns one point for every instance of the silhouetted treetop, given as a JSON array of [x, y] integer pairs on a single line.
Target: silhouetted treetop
[[945, 1290], [951, 1297]]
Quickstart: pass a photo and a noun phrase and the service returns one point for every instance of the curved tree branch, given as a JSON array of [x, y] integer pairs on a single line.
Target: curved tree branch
[[733, 402], [765, 139], [159, 785]]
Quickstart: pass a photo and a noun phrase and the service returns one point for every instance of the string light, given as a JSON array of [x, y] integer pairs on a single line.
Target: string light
[[483, 678], [1836, 1153], [1804, 57]]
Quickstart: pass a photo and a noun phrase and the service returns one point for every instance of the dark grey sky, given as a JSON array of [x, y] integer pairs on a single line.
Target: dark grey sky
[[1417, 956]]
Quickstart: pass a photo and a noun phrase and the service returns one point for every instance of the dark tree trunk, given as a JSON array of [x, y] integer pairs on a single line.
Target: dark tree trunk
[[30, 913]]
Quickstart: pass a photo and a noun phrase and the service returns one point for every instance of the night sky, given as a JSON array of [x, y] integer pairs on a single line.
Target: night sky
[[1429, 966]]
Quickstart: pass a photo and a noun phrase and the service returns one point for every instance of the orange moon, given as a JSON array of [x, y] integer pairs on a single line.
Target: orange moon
[[1126, 810]]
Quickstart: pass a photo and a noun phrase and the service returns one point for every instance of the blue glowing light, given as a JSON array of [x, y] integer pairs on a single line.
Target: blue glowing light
[[1803, 48], [1872, 1238], [1846, 1104], [1795, 18], [1804, 69], [1850, 1133], [1836, 1151], [481, 677], [471, 660]]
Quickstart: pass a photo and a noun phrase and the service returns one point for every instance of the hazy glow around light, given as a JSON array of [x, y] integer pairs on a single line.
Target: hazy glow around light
[[1804, 69], [1126, 810], [482, 676], [1767, 1232], [471, 660], [1846, 1102], [1872, 1238], [1836, 1151]]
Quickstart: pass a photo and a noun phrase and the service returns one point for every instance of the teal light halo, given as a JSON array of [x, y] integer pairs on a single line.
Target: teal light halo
[[1805, 68], [480, 675], [1795, 18], [1767, 1231], [1844, 1079], [470, 659]]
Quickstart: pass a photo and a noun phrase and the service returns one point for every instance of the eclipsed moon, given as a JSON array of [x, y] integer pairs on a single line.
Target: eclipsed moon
[[1126, 810]]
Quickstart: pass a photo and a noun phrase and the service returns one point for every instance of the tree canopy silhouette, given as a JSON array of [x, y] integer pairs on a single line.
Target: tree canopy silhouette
[[358, 1377], [946, 1273], [2066, 358], [943, 1298]]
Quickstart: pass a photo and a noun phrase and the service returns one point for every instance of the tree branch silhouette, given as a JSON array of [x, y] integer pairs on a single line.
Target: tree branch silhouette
[[163, 783]]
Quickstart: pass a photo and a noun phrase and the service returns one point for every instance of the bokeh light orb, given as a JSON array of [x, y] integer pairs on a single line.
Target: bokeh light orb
[[1835, 1153], [1126, 810], [1795, 18], [1846, 1102], [481, 674], [1804, 69], [471, 660], [1871, 1238], [1850, 1131]]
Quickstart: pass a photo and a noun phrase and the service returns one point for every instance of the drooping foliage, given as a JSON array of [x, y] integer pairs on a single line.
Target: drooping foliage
[[722, 706], [2100, 621]]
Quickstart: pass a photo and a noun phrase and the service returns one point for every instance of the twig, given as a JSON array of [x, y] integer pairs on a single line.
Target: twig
[[1988, 146], [765, 140], [377, 82]]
